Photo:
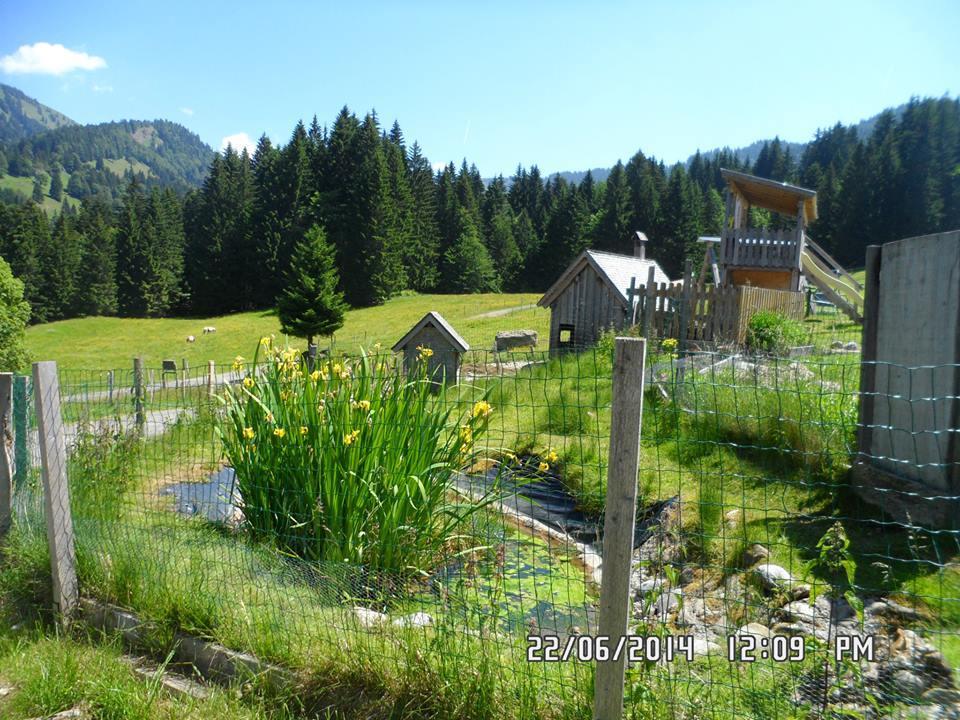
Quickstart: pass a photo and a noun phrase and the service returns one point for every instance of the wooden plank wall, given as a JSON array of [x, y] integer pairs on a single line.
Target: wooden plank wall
[[716, 314]]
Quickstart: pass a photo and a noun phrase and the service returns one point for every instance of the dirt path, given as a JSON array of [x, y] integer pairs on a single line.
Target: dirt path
[[501, 313]]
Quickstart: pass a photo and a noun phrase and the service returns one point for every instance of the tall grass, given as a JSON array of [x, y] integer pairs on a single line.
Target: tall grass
[[350, 462]]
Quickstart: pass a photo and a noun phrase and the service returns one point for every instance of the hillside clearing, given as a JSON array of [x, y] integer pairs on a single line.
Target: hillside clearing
[[106, 342]]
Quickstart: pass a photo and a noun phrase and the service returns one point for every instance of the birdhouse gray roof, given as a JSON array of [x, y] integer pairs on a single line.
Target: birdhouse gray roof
[[616, 270], [436, 320]]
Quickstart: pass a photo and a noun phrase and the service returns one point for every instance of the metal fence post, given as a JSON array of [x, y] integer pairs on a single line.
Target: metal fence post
[[138, 391], [620, 519], [56, 494], [21, 454], [6, 472]]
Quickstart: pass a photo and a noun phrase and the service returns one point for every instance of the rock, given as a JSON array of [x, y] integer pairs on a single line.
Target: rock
[[800, 592], [754, 554], [512, 339], [836, 345], [755, 629], [369, 618], [791, 629], [686, 576], [420, 619], [692, 614], [732, 518], [4, 691], [647, 585], [942, 696], [772, 576], [702, 646], [892, 611], [907, 684], [851, 346]]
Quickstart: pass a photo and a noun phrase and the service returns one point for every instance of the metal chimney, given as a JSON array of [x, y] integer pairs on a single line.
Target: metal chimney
[[640, 245]]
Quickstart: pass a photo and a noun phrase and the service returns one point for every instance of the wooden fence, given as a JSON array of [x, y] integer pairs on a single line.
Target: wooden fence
[[710, 314]]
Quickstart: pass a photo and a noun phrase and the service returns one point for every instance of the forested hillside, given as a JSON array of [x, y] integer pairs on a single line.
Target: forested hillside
[[396, 224], [84, 160], [22, 116]]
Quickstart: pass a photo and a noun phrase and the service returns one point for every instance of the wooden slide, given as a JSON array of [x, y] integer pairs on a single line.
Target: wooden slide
[[832, 280]]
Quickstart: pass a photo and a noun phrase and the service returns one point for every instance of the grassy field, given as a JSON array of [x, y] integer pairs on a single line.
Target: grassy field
[[24, 187], [102, 343]]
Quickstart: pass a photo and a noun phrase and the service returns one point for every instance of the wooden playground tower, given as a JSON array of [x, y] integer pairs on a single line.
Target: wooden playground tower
[[786, 259]]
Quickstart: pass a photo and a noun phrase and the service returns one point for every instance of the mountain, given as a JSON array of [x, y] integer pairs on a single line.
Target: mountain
[[92, 159], [22, 116]]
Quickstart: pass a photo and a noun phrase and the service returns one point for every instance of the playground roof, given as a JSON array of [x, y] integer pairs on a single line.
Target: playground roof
[[770, 194]]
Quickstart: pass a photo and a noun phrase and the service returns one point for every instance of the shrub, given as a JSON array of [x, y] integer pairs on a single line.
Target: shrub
[[14, 314], [101, 468], [772, 332], [352, 462]]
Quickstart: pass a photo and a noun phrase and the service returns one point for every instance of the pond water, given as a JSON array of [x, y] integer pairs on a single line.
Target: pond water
[[516, 582]]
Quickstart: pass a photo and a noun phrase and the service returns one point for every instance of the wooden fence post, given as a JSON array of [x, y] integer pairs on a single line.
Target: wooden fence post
[[649, 302], [6, 472], [56, 494], [211, 378], [21, 453], [110, 386], [685, 304], [138, 392], [868, 350], [619, 521]]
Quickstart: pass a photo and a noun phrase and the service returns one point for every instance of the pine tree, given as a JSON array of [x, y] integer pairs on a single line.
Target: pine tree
[[309, 303], [37, 195], [614, 227], [421, 255], [56, 183], [96, 291], [467, 266]]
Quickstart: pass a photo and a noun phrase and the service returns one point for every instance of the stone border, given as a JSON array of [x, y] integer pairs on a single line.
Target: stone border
[[212, 661]]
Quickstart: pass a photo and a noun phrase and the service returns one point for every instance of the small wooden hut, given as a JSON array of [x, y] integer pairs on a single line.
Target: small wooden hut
[[597, 292], [446, 348]]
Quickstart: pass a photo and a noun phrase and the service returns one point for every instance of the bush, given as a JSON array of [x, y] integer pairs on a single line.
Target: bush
[[353, 462], [101, 468], [14, 314], [772, 332]]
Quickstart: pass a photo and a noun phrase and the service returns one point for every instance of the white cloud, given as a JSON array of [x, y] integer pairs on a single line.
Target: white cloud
[[438, 166], [45, 59], [187, 111], [102, 88], [239, 141]]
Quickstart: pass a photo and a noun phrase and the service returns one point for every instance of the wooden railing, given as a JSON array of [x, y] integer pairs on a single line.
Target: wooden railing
[[710, 313], [761, 248]]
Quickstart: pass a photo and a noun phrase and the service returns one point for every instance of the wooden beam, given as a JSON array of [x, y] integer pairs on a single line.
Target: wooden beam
[[6, 441], [620, 520], [56, 493]]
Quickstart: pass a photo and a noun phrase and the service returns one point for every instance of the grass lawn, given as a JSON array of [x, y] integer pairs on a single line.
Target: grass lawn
[[102, 343], [24, 186]]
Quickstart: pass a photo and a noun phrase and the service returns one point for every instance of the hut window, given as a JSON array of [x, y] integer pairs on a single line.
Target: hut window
[[566, 334]]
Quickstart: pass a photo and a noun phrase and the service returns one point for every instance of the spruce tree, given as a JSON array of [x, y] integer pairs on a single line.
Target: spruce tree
[[56, 183], [309, 304], [37, 195], [14, 314]]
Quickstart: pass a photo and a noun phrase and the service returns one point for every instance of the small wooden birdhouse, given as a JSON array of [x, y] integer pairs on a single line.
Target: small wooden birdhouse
[[434, 341]]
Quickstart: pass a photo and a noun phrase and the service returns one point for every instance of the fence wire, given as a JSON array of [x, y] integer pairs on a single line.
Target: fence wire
[[442, 547]]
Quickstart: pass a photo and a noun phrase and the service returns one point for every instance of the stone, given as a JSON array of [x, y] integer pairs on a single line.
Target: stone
[[836, 345], [419, 619], [4, 691], [702, 646], [942, 696], [907, 684], [647, 585], [512, 339], [799, 592], [791, 629], [754, 554], [755, 629], [686, 576], [732, 517], [692, 613], [892, 611], [369, 618], [772, 576], [851, 346]]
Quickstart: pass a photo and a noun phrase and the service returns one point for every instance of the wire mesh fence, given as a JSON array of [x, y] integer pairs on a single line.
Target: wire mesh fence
[[441, 540]]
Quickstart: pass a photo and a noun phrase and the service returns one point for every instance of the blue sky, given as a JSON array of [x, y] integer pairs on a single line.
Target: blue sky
[[564, 85]]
